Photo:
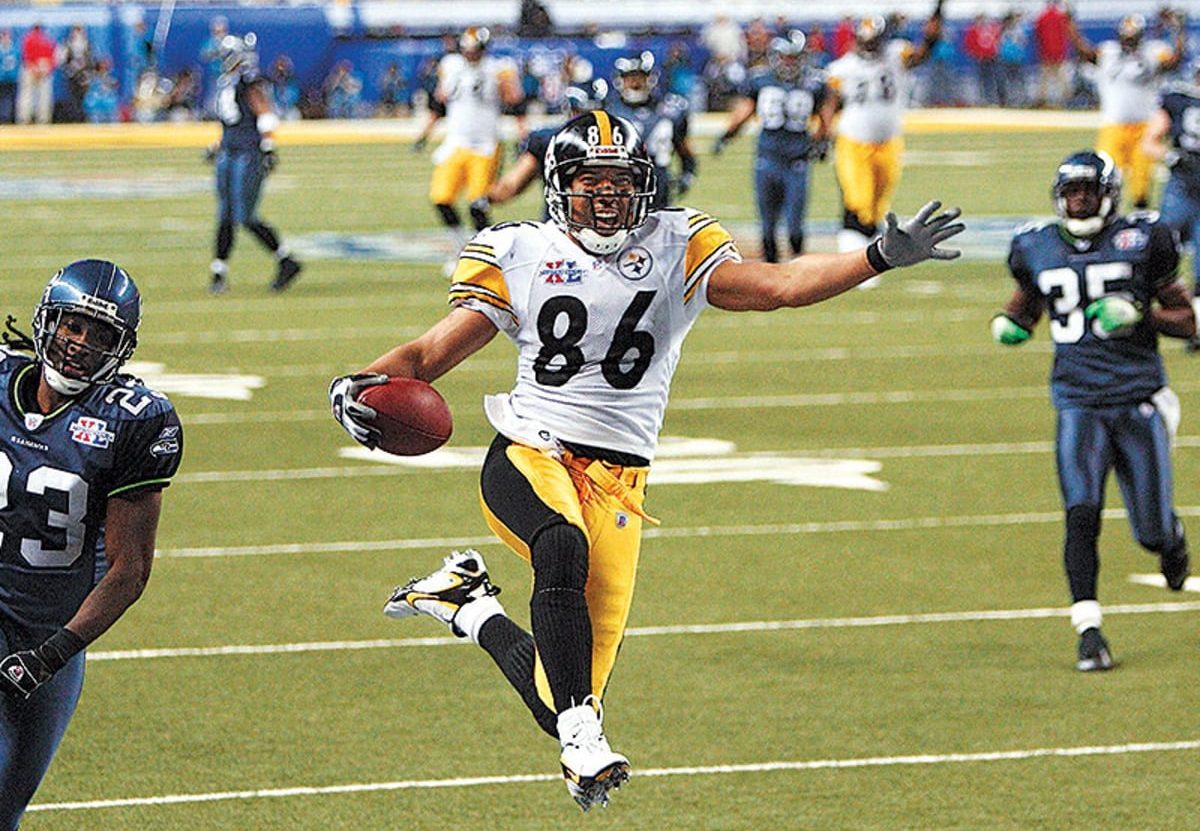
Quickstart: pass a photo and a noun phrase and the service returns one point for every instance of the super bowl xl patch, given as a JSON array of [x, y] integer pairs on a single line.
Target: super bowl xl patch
[[1130, 239], [91, 431]]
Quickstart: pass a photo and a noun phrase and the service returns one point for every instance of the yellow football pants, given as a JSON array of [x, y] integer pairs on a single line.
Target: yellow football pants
[[473, 171], [603, 501], [868, 175], [1124, 143]]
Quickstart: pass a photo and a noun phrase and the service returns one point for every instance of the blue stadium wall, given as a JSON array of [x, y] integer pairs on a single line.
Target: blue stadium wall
[[317, 37]]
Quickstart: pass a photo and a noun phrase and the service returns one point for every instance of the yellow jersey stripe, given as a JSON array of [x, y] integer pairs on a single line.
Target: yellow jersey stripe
[[697, 217], [702, 244], [693, 282], [482, 276]]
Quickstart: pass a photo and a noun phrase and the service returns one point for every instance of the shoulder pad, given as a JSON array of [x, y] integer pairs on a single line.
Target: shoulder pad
[[1142, 217], [1032, 226]]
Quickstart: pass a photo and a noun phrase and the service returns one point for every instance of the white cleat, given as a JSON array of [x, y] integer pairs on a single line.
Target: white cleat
[[590, 767], [462, 578]]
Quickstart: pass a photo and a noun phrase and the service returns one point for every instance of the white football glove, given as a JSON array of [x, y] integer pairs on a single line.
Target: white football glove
[[356, 418], [917, 239]]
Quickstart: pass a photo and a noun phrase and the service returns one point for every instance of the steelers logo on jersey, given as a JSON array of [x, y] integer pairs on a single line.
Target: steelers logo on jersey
[[635, 263]]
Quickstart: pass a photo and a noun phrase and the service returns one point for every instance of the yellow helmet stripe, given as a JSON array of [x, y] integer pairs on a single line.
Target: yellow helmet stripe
[[605, 125]]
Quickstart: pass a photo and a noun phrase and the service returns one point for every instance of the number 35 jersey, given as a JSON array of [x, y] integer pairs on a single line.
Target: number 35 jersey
[[598, 338], [1135, 256], [57, 473]]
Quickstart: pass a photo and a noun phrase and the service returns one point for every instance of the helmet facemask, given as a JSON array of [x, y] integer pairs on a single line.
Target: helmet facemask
[[1083, 175], [636, 78], [83, 338], [599, 187]]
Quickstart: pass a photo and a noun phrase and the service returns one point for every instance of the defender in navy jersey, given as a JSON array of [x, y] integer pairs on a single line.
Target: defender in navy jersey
[[788, 99], [244, 157], [85, 455], [662, 122], [1174, 137], [598, 302], [1108, 284]]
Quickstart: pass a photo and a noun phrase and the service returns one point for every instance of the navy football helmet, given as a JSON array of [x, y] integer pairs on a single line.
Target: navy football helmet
[[583, 98], [1095, 170], [238, 54], [103, 293], [787, 55], [636, 78], [597, 139]]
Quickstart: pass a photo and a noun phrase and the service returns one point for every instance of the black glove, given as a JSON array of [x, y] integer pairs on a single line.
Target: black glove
[[719, 145], [210, 153], [21, 673], [818, 150], [270, 158], [419, 144]]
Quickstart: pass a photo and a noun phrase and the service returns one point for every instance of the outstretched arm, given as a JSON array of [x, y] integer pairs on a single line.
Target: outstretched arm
[[1086, 51], [811, 278]]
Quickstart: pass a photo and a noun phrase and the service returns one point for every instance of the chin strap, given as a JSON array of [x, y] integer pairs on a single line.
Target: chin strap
[[61, 383]]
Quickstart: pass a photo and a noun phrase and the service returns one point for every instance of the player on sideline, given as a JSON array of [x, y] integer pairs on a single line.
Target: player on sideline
[[598, 301], [1109, 286], [1173, 136], [86, 455], [872, 83], [1128, 71], [789, 100], [244, 157], [473, 86]]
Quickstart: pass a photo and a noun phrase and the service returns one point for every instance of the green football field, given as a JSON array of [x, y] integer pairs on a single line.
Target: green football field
[[852, 617]]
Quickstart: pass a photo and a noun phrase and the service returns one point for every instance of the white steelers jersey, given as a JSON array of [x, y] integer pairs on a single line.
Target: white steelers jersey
[[598, 338], [873, 91], [472, 95], [1128, 81]]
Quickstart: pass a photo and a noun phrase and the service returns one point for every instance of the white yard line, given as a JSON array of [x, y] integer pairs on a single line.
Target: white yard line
[[653, 631], [691, 532], [700, 770]]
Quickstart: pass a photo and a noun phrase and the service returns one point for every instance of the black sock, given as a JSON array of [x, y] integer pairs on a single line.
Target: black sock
[[224, 240], [266, 235], [558, 612], [511, 647], [1079, 551]]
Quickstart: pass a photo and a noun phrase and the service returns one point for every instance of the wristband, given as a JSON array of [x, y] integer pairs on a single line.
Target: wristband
[[875, 257], [59, 648]]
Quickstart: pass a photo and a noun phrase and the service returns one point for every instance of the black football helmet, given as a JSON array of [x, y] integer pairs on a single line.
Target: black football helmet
[[1130, 31], [102, 292], [597, 139], [474, 41], [636, 78], [869, 34], [1096, 170]]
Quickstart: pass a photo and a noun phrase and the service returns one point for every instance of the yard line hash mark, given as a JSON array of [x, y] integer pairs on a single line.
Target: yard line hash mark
[[705, 770]]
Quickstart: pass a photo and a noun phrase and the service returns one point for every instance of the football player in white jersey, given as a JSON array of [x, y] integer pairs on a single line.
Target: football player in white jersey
[[1128, 70], [597, 301], [872, 83], [473, 86]]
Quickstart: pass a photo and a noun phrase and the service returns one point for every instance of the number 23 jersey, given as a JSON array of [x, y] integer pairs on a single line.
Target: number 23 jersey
[[57, 473], [598, 338]]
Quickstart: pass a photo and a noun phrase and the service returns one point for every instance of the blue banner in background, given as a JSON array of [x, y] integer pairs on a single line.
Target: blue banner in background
[[316, 38]]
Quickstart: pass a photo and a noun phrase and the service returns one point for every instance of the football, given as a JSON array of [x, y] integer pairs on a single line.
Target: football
[[411, 416]]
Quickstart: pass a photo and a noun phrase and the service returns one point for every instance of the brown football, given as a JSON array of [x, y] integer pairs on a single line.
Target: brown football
[[411, 416]]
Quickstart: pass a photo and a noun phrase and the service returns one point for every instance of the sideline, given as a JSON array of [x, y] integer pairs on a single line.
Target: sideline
[[199, 134]]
